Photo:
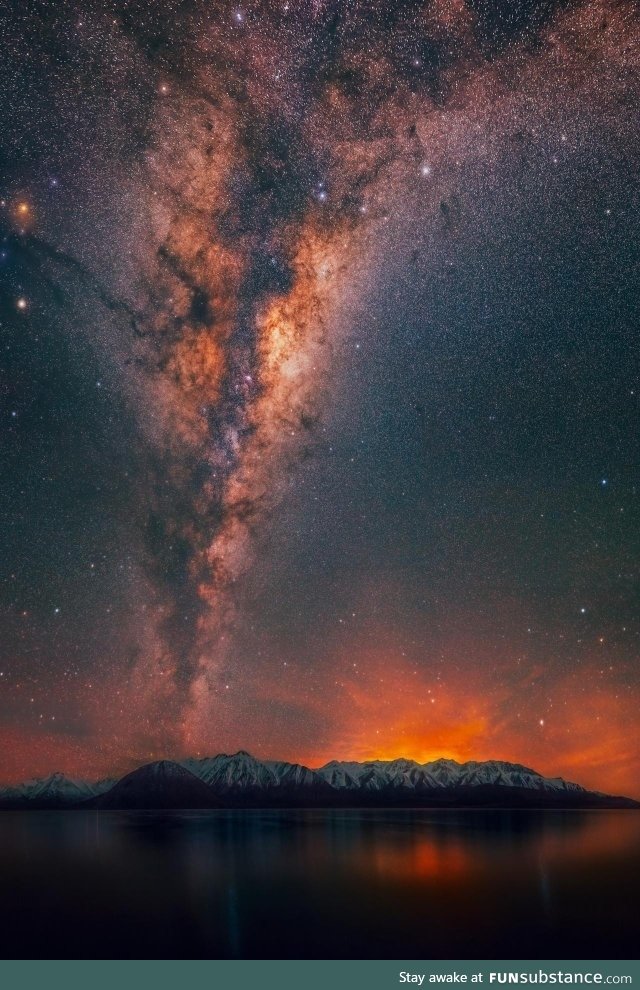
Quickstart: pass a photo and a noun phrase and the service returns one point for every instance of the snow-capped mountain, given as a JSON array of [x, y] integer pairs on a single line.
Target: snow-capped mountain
[[382, 775], [56, 789], [243, 772], [375, 775], [242, 780]]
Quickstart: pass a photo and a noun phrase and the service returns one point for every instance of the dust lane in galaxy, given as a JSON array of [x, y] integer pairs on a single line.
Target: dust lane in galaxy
[[319, 383]]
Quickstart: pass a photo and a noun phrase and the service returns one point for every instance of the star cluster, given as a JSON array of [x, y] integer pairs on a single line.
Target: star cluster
[[318, 382]]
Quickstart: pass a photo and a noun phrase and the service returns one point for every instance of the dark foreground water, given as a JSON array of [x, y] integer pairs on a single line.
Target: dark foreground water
[[324, 884]]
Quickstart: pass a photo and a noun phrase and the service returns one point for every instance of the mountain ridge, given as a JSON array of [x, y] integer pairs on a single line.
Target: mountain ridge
[[242, 780], [162, 784]]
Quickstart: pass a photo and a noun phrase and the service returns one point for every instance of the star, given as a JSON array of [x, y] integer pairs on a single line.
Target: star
[[298, 291]]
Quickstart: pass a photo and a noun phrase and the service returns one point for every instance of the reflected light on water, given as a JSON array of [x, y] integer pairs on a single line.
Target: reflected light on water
[[319, 884]]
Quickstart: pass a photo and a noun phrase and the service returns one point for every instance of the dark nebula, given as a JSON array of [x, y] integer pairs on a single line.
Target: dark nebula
[[319, 382]]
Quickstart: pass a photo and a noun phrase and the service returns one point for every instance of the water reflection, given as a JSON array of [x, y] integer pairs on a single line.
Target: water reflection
[[319, 883]]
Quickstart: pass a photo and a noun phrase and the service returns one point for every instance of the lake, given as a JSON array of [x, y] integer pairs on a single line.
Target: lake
[[321, 884]]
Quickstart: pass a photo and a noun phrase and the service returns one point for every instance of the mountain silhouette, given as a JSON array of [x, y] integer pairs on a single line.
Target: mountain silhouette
[[158, 785], [242, 780]]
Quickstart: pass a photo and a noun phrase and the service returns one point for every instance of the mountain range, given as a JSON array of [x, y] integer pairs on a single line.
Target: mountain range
[[241, 780]]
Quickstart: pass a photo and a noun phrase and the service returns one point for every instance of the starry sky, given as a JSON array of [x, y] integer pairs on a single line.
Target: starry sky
[[319, 383]]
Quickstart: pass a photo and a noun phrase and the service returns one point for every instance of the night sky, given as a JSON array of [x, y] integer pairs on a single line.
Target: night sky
[[319, 383]]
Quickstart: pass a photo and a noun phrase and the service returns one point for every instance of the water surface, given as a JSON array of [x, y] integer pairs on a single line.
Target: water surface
[[323, 884]]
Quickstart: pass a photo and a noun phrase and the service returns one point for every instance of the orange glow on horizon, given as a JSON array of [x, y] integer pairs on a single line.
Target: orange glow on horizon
[[382, 707], [386, 711]]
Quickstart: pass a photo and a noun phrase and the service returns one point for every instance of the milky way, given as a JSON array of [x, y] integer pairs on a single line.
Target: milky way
[[319, 385]]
